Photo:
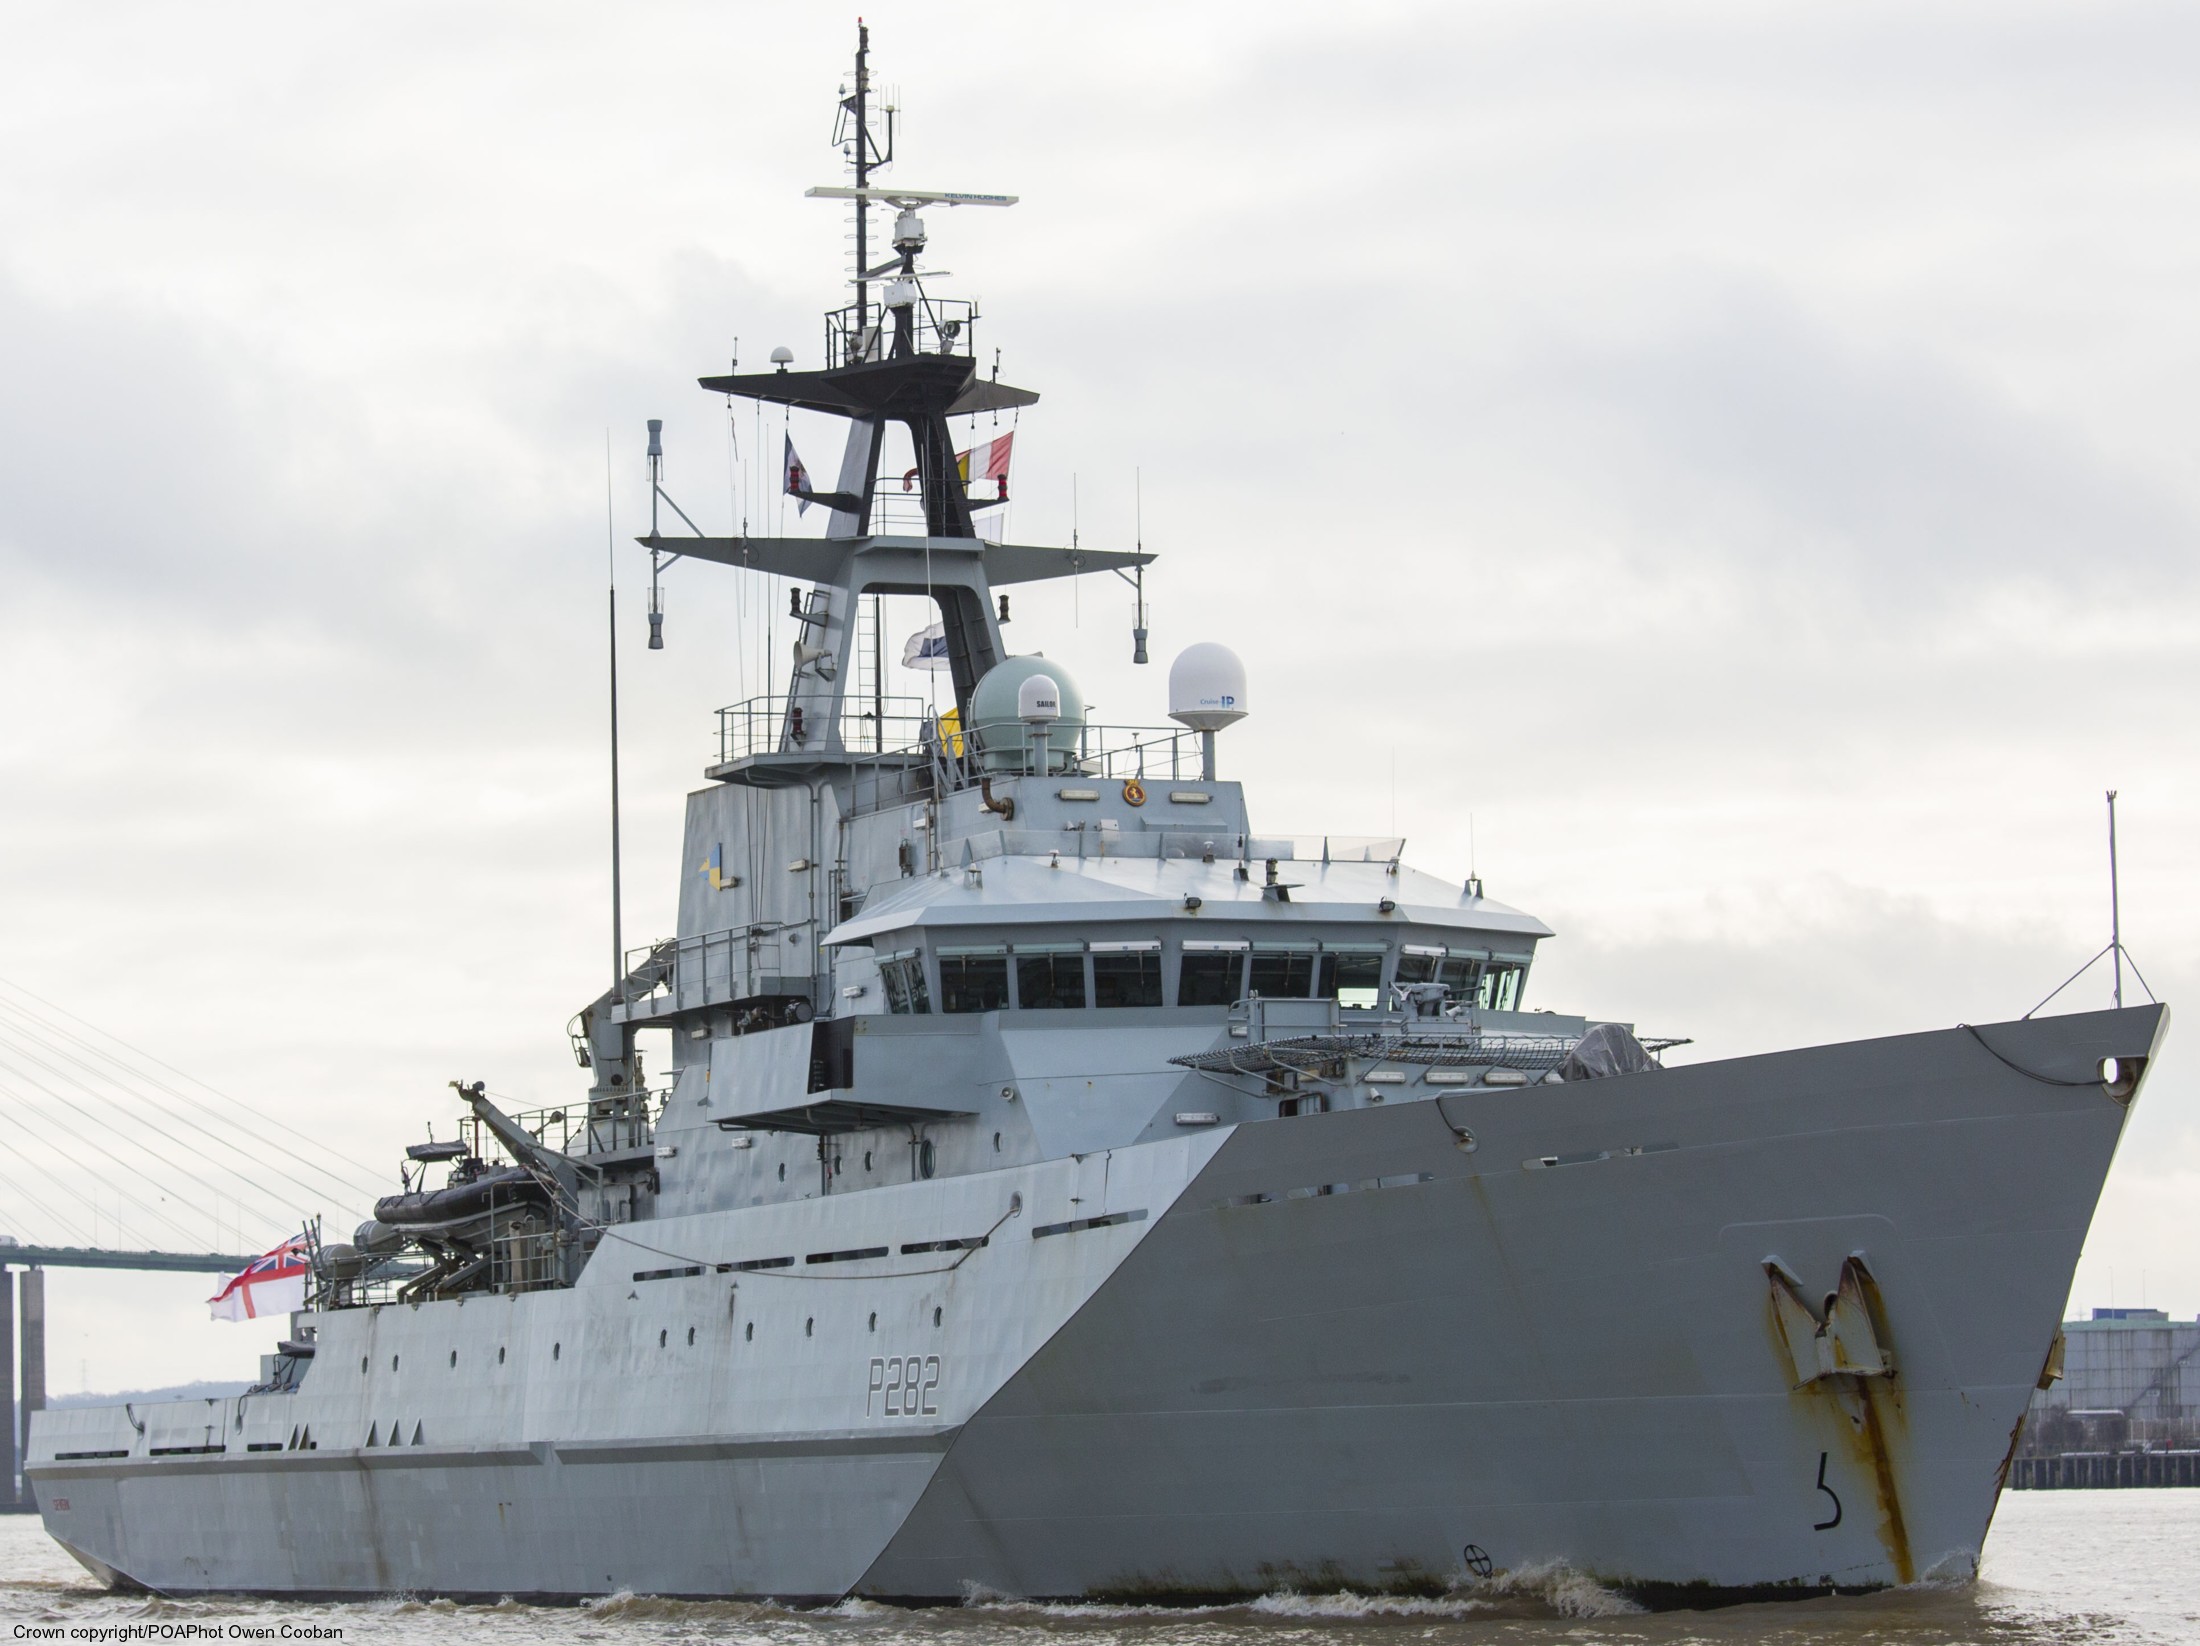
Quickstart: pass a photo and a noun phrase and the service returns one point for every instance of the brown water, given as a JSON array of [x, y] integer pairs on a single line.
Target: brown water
[[2060, 1567]]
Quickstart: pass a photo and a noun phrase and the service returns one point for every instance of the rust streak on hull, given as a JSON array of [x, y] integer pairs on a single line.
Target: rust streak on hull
[[1870, 1442]]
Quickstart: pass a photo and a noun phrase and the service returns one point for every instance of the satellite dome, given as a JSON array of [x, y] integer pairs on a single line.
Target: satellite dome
[[997, 714], [1038, 700], [1207, 687]]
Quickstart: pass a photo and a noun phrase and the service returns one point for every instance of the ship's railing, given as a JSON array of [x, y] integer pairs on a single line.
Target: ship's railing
[[907, 728], [380, 1282], [703, 969], [942, 325], [568, 1130], [868, 725], [525, 1260], [1148, 753], [1217, 845], [1340, 848]]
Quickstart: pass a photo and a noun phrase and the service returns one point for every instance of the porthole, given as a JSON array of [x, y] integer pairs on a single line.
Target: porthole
[[809, 1327], [926, 1155], [660, 1340], [454, 1360], [836, 1165], [866, 1159], [782, 1171], [996, 1142], [935, 1317], [362, 1365], [554, 1350], [393, 1363], [874, 1320], [500, 1354], [691, 1337], [748, 1333]]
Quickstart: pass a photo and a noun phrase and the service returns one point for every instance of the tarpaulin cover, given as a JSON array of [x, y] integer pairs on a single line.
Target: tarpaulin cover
[[1607, 1049]]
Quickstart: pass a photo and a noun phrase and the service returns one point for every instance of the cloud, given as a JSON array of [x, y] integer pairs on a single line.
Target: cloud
[[1869, 471]]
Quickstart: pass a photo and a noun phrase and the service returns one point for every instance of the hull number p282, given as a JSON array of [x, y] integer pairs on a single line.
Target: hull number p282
[[903, 1387]]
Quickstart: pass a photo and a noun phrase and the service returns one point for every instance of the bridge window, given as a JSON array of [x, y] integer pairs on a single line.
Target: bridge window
[[1050, 975], [1418, 965], [1460, 974], [1126, 974], [974, 980], [1211, 974], [902, 977], [1282, 971], [1352, 974], [1471, 977], [1501, 983]]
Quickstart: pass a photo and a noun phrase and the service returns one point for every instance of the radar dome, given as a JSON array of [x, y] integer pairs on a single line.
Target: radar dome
[[997, 714], [1039, 699], [1207, 687]]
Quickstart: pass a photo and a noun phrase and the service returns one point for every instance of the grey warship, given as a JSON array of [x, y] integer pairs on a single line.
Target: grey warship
[[1059, 1187]]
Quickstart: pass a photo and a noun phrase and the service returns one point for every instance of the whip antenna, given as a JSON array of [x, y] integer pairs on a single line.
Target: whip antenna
[[611, 568], [2115, 917]]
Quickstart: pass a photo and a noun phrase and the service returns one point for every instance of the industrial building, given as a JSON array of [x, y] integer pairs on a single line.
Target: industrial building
[[2126, 1410]]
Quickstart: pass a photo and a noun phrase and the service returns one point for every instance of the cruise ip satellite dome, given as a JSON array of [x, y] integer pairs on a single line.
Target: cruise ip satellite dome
[[1207, 687]]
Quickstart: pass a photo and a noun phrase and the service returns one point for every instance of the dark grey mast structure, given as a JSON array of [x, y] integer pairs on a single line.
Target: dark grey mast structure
[[904, 362]]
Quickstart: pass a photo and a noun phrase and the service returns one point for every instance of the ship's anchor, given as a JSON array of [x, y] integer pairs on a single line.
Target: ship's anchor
[[1840, 1341]]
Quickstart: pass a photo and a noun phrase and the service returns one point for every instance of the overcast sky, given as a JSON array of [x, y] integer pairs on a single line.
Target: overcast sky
[[1738, 456]]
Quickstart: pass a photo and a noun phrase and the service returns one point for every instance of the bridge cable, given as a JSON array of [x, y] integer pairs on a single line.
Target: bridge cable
[[258, 1117], [230, 1144], [252, 1192], [73, 1230], [99, 1148]]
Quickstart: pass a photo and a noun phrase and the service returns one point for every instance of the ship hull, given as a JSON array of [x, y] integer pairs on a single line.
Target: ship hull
[[1574, 1362], [1339, 1349]]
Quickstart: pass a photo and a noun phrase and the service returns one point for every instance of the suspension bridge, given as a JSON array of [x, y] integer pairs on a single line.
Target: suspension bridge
[[118, 1161]]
